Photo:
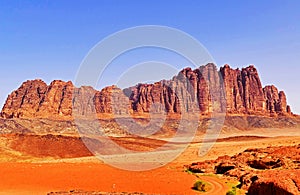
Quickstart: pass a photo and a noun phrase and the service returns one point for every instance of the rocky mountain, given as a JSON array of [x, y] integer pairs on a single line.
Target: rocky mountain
[[202, 90]]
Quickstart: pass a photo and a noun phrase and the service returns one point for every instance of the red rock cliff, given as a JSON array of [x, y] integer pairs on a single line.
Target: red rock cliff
[[202, 90], [244, 93]]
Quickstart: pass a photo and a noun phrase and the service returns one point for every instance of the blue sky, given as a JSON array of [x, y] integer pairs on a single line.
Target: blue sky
[[49, 39]]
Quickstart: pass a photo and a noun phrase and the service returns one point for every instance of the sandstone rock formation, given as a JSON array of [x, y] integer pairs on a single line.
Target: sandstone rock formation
[[25, 101], [275, 101], [36, 99], [243, 89], [259, 170], [277, 182], [189, 91], [203, 90]]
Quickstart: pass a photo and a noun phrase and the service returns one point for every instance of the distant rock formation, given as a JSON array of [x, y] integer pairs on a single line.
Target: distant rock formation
[[202, 90], [244, 91], [189, 91], [275, 101], [36, 99]]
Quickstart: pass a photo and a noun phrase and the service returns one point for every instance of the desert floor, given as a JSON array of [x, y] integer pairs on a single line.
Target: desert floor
[[89, 174]]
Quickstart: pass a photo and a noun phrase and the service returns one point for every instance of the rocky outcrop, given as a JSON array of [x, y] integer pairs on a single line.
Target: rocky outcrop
[[279, 182], [203, 90], [36, 99], [25, 101], [57, 99], [275, 101], [111, 100], [62, 100], [259, 170], [189, 91], [243, 90], [244, 93]]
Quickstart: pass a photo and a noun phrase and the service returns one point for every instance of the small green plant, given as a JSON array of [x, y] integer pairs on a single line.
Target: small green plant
[[200, 186], [232, 191], [189, 171]]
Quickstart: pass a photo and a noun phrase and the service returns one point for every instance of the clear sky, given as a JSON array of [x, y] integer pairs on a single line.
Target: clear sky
[[49, 39]]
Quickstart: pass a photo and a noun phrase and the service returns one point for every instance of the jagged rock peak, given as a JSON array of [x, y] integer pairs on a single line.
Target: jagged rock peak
[[203, 90], [34, 98]]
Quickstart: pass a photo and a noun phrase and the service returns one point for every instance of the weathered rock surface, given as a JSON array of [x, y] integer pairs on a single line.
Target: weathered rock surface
[[284, 182], [259, 170], [203, 90], [111, 100], [25, 101], [244, 93], [36, 99], [275, 101]]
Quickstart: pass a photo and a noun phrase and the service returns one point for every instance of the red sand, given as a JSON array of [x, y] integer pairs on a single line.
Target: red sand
[[27, 178], [40, 178]]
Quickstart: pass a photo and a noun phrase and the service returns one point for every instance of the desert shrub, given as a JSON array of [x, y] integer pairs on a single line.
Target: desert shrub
[[200, 186], [232, 191], [189, 171]]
